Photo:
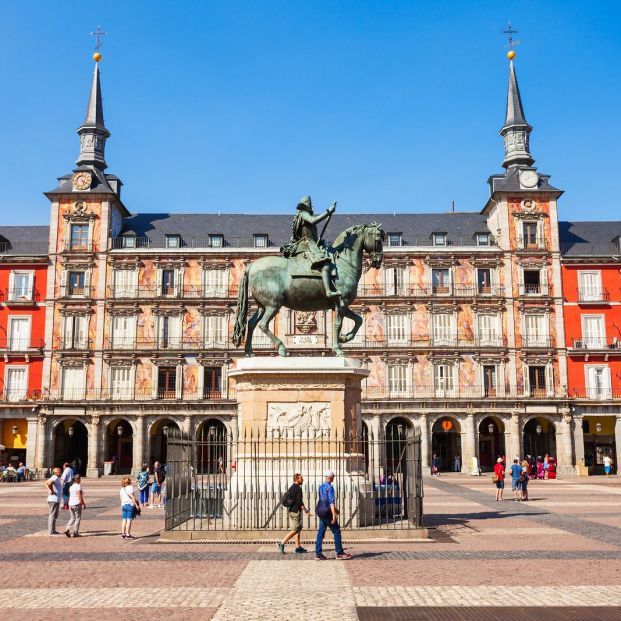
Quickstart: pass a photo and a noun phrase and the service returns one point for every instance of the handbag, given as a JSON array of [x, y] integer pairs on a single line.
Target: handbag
[[495, 478], [322, 510]]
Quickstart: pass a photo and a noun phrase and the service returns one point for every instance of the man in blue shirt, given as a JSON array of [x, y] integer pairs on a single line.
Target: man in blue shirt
[[326, 494], [516, 475]]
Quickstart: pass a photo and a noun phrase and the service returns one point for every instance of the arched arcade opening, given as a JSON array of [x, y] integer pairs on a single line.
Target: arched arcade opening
[[539, 437], [71, 444], [158, 444], [446, 443], [119, 446], [213, 440], [491, 442]]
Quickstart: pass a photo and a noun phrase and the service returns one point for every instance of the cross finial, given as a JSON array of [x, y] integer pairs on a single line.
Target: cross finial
[[510, 32], [100, 33]]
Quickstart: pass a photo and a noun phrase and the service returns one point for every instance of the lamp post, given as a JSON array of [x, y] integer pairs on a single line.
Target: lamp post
[[70, 432], [491, 428], [598, 427]]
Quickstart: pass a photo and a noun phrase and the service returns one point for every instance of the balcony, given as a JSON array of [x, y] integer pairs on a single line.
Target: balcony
[[68, 292], [20, 297], [531, 243], [19, 395], [534, 290], [384, 391], [430, 291], [598, 393], [190, 292], [75, 344], [78, 247], [596, 343], [593, 295], [536, 342], [165, 344], [130, 394], [21, 346], [429, 342]]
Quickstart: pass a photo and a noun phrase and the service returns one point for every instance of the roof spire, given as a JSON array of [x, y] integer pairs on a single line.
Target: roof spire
[[93, 133], [516, 130]]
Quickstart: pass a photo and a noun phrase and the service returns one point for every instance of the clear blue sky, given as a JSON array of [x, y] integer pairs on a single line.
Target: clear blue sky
[[246, 106]]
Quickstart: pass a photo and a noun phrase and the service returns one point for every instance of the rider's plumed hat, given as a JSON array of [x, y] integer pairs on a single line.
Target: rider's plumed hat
[[305, 203]]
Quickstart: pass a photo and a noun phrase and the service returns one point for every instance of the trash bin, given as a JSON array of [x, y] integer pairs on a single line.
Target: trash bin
[[108, 467]]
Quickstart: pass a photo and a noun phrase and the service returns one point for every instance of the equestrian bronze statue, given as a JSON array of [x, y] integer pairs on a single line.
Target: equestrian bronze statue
[[309, 276]]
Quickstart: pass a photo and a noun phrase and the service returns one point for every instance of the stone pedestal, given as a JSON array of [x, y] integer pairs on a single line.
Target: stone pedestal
[[296, 415]]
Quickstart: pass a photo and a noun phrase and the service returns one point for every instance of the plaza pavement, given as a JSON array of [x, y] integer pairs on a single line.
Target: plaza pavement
[[556, 557]]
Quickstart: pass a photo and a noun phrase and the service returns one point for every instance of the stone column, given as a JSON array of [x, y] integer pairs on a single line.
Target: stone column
[[31, 442], [138, 445], [376, 458], [424, 443], [618, 444], [93, 466], [468, 451], [514, 445], [40, 456], [563, 443], [578, 438], [186, 427]]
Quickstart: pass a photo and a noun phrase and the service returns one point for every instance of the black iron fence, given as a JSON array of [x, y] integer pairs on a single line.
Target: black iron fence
[[220, 483]]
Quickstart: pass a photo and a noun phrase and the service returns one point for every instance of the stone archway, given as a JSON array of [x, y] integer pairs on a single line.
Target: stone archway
[[119, 446], [70, 439], [395, 435], [446, 443], [539, 438], [158, 439], [491, 434], [214, 442]]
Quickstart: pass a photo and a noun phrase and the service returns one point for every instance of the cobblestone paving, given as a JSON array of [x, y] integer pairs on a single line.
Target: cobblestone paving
[[485, 554]]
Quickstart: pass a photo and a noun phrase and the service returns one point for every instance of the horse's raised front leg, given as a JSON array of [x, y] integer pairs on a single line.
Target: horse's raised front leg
[[357, 319], [270, 313], [252, 324], [336, 331]]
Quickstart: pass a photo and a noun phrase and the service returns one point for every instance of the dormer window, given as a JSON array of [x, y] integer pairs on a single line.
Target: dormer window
[[394, 239], [173, 241], [216, 240], [439, 239], [260, 240], [483, 239], [129, 241]]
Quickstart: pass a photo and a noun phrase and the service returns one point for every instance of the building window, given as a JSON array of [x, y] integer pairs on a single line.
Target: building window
[[123, 332], [537, 381], [79, 236], [397, 379], [19, 333], [260, 241], [16, 384], [212, 385], [124, 283], [489, 381], [394, 278], [483, 239], [442, 329], [120, 381], [396, 329], [443, 380], [488, 330], [394, 239], [593, 332], [598, 382], [169, 332], [441, 281], [484, 280], [76, 282], [173, 241], [529, 235], [216, 240], [74, 383], [129, 241], [536, 334], [439, 239], [75, 332], [590, 286], [532, 282], [214, 283], [214, 331], [168, 282], [167, 382], [21, 286]]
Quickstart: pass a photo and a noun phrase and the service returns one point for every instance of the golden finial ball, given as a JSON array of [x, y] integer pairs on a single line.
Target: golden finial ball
[[96, 57], [511, 54]]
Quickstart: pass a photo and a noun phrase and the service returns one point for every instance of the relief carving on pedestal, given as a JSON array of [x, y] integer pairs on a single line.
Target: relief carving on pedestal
[[299, 418]]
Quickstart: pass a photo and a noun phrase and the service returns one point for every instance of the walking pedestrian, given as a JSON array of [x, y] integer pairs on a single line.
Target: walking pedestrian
[[294, 502], [457, 464], [129, 508], [499, 478], [76, 506], [66, 478], [156, 488], [516, 475], [328, 518], [144, 485], [435, 465], [524, 479], [54, 489]]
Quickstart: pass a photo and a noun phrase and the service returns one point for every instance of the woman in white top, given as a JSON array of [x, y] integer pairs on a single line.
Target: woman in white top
[[129, 507], [76, 505]]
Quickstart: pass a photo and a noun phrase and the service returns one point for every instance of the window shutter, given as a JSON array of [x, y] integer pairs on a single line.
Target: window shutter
[[68, 331], [87, 283], [63, 283], [12, 291], [158, 281], [526, 381], [179, 382], [549, 380]]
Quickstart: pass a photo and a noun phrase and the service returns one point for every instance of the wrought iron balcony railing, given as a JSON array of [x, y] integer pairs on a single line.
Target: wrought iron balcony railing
[[593, 295], [530, 341], [20, 295], [597, 343], [74, 292], [19, 395], [24, 345], [596, 393], [78, 247], [531, 243], [135, 394], [78, 343], [534, 290], [189, 292], [448, 391], [429, 342], [428, 290], [165, 343]]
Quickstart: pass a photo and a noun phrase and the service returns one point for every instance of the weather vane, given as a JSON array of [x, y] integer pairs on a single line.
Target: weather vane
[[98, 34], [511, 43]]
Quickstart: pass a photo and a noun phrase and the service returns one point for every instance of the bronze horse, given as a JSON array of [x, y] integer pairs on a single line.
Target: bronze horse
[[276, 281]]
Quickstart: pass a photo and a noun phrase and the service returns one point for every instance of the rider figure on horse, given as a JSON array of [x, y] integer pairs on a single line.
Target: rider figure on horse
[[305, 239]]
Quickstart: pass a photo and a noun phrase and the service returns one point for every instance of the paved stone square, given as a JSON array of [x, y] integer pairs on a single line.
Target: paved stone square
[[557, 556]]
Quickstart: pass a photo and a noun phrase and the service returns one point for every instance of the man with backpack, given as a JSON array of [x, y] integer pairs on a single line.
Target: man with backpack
[[295, 504], [328, 518]]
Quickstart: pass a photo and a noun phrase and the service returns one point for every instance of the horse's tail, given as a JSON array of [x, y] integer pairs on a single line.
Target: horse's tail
[[241, 318]]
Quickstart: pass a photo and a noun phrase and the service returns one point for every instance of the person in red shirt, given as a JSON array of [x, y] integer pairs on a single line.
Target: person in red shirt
[[499, 473]]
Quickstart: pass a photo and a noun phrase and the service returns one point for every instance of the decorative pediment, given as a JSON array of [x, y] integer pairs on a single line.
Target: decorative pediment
[[490, 358], [121, 363], [75, 362], [540, 309], [72, 311], [124, 311], [77, 264], [532, 262], [488, 306], [435, 307], [211, 311], [168, 362], [434, 261], [493, 262], [124, 263], [205, 361], [209, 263], [169, 263], [529, 210], [538, 359], [444, 357], [169, 311], [79, 213]]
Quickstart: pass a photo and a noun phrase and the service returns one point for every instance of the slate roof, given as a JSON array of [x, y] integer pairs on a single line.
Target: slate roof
[[590, 238], [238, 229], [510, 182], [32, 240]]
